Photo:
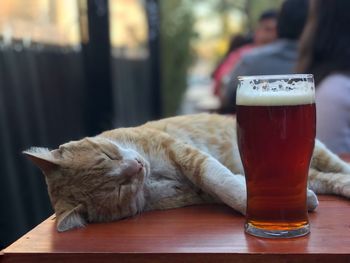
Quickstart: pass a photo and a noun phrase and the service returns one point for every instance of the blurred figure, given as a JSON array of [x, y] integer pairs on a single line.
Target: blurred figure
[[265, 33], [266, 30], [325, 52], [236, 42], [239, 46], [279, 57]]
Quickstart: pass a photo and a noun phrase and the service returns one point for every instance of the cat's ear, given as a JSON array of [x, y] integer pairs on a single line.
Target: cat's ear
[[70, 219], [43, 158]]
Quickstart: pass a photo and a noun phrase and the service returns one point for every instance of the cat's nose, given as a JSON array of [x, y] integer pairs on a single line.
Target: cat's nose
[[132, 166], [139, 162], [140, 165]]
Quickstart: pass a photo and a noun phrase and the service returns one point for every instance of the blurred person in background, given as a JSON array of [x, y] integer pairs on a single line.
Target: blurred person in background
[[266, 30], [265, 33], [325, 52], [235, 43], [279, 57]]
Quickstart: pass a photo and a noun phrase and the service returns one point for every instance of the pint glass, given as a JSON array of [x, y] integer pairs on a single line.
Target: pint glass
[[276, 125]]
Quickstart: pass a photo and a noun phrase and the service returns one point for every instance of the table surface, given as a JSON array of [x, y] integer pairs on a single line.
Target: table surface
[[198, 233]]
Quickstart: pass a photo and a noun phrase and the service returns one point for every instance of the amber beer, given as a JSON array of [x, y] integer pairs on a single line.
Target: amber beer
[[276, 132]]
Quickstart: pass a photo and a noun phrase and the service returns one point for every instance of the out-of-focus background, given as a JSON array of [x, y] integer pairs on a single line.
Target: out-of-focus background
[[74, 68]]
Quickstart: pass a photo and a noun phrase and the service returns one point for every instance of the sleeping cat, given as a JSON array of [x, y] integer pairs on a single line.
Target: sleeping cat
[[163, 164]]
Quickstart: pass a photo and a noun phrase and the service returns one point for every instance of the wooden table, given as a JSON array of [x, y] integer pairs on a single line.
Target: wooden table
[[208, 233]]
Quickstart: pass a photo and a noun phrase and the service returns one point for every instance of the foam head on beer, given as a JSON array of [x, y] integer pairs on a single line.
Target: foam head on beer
[[276, 90]]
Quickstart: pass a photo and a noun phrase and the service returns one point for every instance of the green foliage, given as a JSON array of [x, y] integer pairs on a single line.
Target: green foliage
[[176, 56]]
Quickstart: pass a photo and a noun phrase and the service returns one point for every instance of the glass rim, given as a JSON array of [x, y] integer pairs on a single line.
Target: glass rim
[[273, 77]]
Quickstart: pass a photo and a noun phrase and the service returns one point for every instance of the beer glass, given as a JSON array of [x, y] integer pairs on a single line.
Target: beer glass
[[276, 126]]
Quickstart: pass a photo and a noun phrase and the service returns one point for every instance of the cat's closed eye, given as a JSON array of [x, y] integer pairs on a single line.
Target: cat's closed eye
[[109, 156], [114, 157]]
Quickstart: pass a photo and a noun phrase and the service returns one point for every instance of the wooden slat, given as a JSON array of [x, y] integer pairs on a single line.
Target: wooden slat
[[198, 233]]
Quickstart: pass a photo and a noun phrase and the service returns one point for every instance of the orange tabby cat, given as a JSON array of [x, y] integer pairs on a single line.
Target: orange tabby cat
[[163, 164]]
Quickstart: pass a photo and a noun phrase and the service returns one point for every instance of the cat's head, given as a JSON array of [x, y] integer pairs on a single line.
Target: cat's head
[[92, 180]]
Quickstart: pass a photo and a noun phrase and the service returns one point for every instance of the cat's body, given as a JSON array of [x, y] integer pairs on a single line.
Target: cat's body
[[164, 164]]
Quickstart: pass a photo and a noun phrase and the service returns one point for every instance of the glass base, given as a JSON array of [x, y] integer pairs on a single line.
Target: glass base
[[285, 233]]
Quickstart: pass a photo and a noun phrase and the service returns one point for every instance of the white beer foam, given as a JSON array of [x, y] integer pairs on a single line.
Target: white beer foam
[[276, 93]]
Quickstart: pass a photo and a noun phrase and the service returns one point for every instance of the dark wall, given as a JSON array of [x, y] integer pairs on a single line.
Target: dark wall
[[42, 102], [133, 94]]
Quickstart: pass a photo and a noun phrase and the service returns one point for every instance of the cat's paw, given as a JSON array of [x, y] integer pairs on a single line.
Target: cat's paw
[[312, 201], [243, 210]]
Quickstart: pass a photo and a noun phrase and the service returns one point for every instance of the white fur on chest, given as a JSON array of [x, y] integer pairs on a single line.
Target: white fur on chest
[[165, 182]]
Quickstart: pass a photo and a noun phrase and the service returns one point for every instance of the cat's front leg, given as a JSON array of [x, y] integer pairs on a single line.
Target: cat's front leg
[[229, 187], [210, 175]]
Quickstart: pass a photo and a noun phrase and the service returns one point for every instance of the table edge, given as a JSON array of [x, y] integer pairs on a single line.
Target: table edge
[[172, 257]]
